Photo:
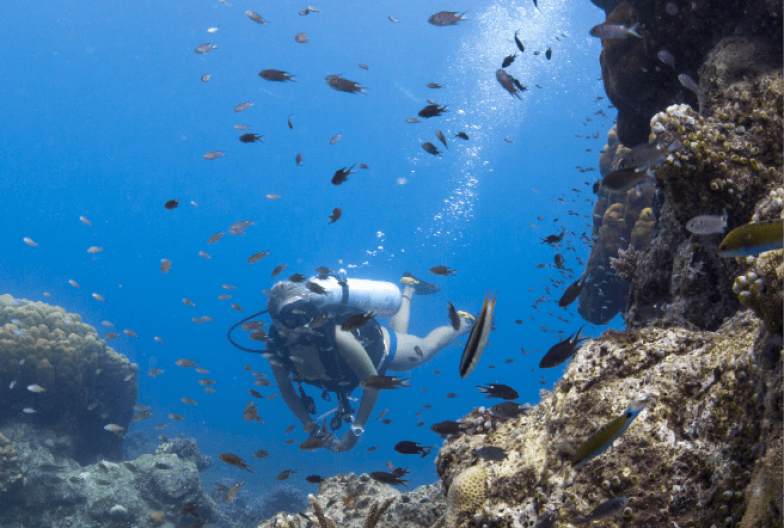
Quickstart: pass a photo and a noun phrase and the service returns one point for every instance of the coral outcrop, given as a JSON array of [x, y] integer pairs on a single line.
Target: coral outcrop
[[10, 473], [349, 500], [86, 384], [687, 459]]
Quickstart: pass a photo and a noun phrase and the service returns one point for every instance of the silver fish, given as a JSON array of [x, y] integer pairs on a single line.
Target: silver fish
[[242, 106], [666, 57], [441, 138], [707, 224], [647, 155], [255, 17], [214, 154], [205, 48]]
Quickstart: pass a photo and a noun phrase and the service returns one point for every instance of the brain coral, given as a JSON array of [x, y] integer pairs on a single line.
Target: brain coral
[[84, 381], [465, 495]]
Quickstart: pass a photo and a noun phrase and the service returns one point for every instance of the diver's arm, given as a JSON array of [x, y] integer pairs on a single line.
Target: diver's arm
[[291, 398], [350, 438]]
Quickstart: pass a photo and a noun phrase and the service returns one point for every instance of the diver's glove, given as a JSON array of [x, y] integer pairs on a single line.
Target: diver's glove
[[466, 319]]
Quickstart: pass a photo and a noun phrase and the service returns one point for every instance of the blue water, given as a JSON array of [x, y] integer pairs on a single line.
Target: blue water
[[105, 116]]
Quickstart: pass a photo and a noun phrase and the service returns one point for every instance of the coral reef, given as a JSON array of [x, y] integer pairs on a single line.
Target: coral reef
[[685, 460], [87, 384], [466, 493], [186, 448], [352, 501], [639, 84], [10, 473]]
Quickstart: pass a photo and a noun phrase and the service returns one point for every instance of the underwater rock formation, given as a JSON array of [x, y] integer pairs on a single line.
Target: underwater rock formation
[[639, 84], [687, 459], [52, 487], [186, 447], [348, 500]]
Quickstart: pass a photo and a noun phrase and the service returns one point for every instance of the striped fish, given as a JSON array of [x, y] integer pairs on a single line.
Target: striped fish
[[478, 338], [604, 438]]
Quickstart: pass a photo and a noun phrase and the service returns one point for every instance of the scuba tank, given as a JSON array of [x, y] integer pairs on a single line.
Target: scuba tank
[[384, 298]]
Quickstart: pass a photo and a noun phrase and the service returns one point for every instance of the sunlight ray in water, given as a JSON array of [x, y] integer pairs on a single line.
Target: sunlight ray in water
[[485, 101]]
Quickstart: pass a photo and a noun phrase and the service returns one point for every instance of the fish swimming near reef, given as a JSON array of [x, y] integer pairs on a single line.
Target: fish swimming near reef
[[752, 239], [622, 180], [497, 390], [432, 110], [276, 75], [614, 31], [605, 509], [707, 224], [234, 460], [562, 350], [509, 59], [509, 409], [447, 428], [604, 438], [478, 337], [406, 447], [573, 291], [446, 18], [494, 453], [431, 149], [647, 155], [388, 478]]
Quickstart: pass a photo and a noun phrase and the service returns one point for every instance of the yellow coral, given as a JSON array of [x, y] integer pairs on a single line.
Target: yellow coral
[[465, 495], [643, 228]]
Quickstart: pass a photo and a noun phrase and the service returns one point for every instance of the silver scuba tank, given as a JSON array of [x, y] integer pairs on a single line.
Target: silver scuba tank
[[384, 298]]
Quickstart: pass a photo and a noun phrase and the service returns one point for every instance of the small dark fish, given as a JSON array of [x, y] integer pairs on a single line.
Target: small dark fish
[[562, 351], [454, 319], [255, 394], [250, 138], [388, 478], [315, 479], [508, 409], [447, 428], [434, 85], [509, 59], [431, 149], [364, 66], [549, 53], [131, 467], [497, 390], [341, 175], [234, 460], [462, 135], [278, 269], [442, 270], [446, 18], [384, 382], [357, 321], [298, 159], [161, 465], [362, 166], [171, 204], [255, 17], [496, 454], [519, 85], [519, 43], [344, 85], [189, 508], [432, 110], [283, 475], [605, 509], [559, 261], [257, 257], [554, 239], [315, 288], [407, 447], [441, 138], [507, 81], [288, 120], [572, 292], [260, 454], [297, 277], [276, 75]]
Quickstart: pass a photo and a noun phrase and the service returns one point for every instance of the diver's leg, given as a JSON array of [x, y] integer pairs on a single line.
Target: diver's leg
[[407, 356], [399, 322], [354, 354]]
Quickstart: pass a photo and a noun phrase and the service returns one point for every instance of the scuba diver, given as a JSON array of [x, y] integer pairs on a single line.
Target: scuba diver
[[307, 345]]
